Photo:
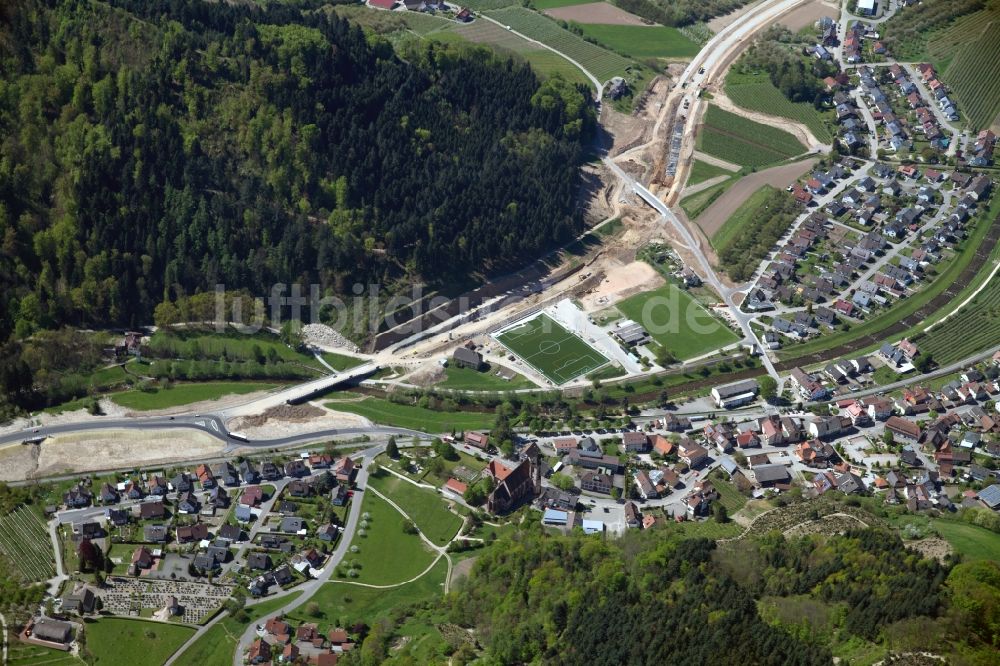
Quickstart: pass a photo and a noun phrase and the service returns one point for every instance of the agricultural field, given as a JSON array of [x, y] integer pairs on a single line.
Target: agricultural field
[[542, 5], [602, 63], [642, 41], [702, 171], [972, 76], [550, 349], [722, 238], [390, 413], [695, 204], [392, 22], [742, 141], [678, 322], [544, 62], [960, 38], [26, 544], [754, 91], [943, 44], [971, 329]]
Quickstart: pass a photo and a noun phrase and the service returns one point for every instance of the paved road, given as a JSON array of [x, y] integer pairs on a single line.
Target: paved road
[[210, 424], [743, 320], [309, 588]]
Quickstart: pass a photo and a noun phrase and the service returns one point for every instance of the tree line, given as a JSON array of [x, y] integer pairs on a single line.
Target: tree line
[[679, 12], [745, 252]]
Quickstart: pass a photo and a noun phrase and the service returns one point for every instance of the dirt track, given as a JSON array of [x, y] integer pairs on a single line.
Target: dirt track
[[723, 208]]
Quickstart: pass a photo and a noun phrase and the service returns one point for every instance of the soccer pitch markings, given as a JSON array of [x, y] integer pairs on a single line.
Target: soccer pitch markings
[[550, 349]]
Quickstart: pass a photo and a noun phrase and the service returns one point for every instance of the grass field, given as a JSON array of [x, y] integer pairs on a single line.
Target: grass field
[[732, 228], [702, 171], [754, 91], [20, 654], [118, 641], [677, 321], [551, 349], [350, 604], [697, 203], [467, 379], [742, 141], [426, 507], [411, 416], [216, 646], [642, 41], [341, 361], [600, 62], [183, 394], [231, 346], [387, 555], [26, 544], [972, 541]]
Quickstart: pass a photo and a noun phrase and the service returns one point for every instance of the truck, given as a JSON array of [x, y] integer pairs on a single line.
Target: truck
[[240, 436]]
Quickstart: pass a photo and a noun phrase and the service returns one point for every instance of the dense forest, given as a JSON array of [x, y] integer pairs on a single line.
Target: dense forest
[[157, 148], [646, 598], [154, 148], [746, 250]]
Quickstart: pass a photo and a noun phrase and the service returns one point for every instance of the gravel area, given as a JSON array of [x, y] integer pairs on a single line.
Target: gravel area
[[322, 335]]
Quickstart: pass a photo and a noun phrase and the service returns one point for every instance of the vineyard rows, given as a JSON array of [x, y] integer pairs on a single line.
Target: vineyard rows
[[745, 142], [972, 75], [966, 28], [972, 329], [603, 64], [24, 541], [757, 93], [484, 32]]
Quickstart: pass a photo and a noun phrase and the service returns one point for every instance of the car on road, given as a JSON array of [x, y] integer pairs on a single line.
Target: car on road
[[701, 70]]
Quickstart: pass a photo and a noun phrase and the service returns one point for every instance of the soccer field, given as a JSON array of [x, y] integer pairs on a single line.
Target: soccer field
[[551, 349]]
